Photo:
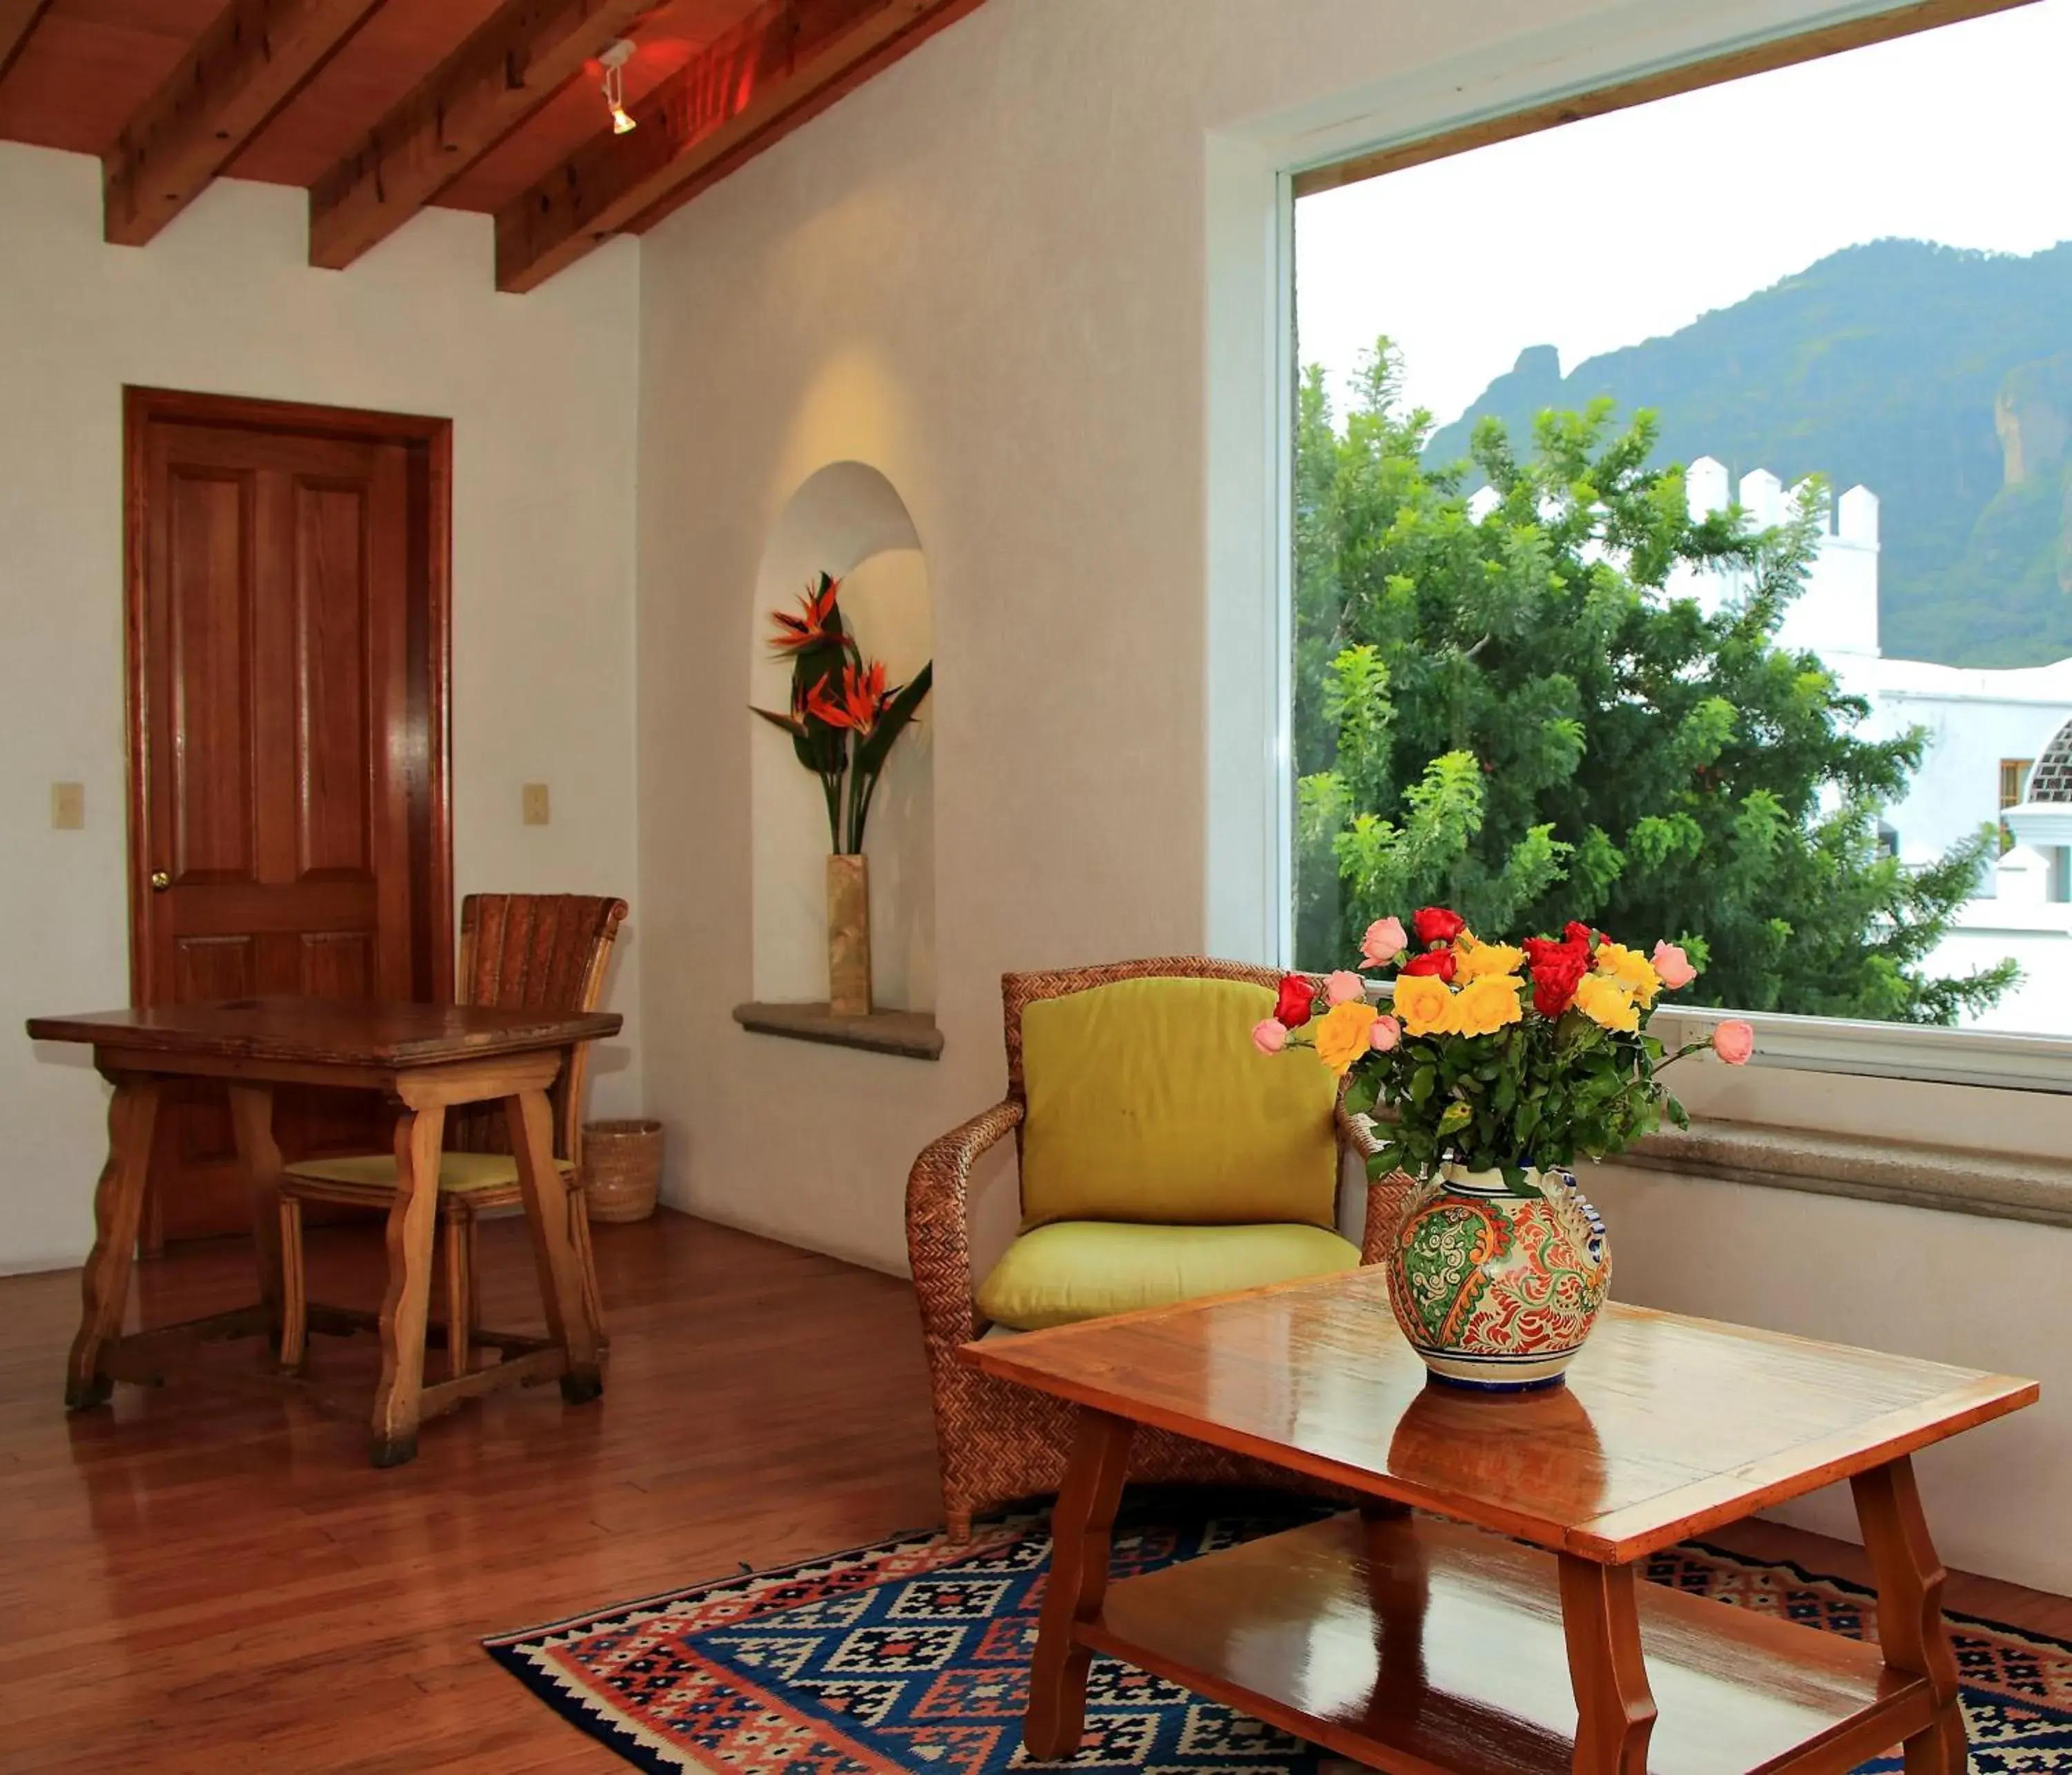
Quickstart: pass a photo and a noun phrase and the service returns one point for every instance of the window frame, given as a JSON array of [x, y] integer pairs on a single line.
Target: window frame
[[1983, 1058]]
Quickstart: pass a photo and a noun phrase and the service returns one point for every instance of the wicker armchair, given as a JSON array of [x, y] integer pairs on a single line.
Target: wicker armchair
[[999, 1442]]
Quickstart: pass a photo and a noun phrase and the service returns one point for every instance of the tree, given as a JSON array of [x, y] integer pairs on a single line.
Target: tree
[[1509, 713]]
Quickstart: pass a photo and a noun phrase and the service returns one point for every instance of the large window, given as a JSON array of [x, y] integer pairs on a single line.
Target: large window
[[1682, 534]]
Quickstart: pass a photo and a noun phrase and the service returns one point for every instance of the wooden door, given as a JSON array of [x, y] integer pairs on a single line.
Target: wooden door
[[283, 735]]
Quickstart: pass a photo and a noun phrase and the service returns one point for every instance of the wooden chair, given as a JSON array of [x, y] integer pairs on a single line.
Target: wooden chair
[[518, 952], [998, 1442]]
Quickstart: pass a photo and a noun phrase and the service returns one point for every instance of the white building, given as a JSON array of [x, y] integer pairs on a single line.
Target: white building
[[2000, 748]]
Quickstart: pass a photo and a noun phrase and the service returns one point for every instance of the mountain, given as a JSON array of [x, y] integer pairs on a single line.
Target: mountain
[[1940, 379]]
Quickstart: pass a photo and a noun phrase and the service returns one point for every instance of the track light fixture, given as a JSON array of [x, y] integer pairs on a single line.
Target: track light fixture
[[613, 61]]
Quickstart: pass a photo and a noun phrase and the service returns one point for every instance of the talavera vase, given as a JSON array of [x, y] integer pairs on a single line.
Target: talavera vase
[[849, 936], [1497, 1290]]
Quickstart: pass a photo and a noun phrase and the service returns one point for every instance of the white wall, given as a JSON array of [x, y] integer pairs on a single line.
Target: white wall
[[1028, 274], [543, 392]]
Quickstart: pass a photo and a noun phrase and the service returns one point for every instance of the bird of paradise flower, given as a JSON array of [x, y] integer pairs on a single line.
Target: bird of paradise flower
[[844, 717]]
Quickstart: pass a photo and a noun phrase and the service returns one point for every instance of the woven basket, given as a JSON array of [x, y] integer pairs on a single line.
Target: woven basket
[[621, 1168]]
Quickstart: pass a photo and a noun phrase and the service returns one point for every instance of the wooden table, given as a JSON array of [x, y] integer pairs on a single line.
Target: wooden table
[[1415, 1644], [425, 1057]]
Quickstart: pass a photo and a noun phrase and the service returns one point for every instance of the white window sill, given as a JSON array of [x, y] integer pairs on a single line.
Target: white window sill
[[1952, 1180], [1984, 1057]]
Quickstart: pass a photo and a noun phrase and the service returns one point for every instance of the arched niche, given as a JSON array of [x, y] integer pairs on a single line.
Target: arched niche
[[847, 519]]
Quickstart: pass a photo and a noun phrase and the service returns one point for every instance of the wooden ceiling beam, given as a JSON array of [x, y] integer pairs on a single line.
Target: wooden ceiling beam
[[519, 58], [18, 19], [256, 57], [748, 89]]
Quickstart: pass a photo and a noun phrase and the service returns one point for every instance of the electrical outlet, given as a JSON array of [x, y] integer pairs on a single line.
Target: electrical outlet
[[68, 806], [535, 803]]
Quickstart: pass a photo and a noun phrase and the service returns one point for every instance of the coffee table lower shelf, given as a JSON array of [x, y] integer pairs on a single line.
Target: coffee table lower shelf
[[1413, 1644]]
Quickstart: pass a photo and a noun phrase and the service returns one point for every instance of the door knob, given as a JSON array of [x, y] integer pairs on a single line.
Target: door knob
[[160, 881]]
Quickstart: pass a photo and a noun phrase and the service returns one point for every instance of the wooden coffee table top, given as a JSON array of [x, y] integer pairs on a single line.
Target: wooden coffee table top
[[311, 1031], [1668, 1426]]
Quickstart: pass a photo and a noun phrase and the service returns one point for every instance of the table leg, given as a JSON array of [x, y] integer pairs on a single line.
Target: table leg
[[412, 1219], [118, 1206], [530, 1119], [1081, 1528], [1614, 1708], [252, 1115], [1911, 1630]]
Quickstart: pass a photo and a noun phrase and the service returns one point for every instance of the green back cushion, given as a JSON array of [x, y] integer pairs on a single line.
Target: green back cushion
[[1147, 1101]]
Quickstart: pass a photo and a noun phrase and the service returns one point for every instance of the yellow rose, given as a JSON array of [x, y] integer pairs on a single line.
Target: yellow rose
[[1631, 969], [1424, 1003], [1484, 1006], [1474, 960], [1606, 1003], [1342, 1036]]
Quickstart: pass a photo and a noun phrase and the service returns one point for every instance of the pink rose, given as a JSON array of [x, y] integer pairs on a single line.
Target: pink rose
[[1672, 967], [1344, 988], [1733, 1042], [1384, 941], [1386, 1033], [1269, 1035]]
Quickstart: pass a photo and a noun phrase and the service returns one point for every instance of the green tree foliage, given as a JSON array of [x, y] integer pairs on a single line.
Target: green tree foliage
[[1511, 715]]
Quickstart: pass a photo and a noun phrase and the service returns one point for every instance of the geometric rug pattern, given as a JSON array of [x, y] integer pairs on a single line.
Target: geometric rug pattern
[[913, 1654]]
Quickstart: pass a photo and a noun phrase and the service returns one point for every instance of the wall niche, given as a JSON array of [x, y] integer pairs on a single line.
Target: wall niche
[[847, 519]]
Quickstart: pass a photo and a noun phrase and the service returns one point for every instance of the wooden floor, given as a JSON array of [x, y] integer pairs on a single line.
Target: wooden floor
[[191, 1582]]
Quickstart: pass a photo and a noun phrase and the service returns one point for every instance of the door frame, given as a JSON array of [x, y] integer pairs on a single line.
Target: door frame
[[430, 602]]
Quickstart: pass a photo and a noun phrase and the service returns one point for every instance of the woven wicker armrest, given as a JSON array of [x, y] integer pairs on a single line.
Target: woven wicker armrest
[[1386, 1196], [1356, 1132], [939, 1224]]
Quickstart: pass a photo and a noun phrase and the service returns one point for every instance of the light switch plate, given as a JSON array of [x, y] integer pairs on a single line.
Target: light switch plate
[[535, 803], [68, 806]]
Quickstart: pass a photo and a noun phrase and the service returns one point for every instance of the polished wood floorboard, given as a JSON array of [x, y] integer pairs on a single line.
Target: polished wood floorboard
[[202, 1583], [194, 1582]]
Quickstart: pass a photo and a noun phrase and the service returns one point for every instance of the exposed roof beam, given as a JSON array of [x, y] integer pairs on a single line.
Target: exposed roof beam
[[18, 19], [785, 62], [521, 55], [251, 61]]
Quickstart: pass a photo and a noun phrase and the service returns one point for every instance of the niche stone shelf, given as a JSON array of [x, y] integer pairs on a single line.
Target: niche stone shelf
[[911, 1035]]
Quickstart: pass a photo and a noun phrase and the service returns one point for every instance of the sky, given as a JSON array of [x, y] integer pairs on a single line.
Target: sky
[[1603, 233]]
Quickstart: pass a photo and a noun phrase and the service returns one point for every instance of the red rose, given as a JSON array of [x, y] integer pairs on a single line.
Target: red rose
[[1297, 1000], [1436, 924], [1575, 933], [1557, 970], [1439, 963]]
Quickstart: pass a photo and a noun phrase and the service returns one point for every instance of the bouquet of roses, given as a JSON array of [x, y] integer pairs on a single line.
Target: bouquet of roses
[[1497, 1056]]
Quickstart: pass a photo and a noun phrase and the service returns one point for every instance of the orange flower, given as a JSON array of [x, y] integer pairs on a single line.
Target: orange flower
[[813, 625], [864, 697]]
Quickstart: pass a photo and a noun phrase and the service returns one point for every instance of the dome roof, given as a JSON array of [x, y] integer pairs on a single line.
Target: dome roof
[[2051, 780]]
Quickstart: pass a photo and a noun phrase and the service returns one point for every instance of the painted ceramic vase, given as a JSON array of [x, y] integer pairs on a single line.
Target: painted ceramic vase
[[1497, 1290]]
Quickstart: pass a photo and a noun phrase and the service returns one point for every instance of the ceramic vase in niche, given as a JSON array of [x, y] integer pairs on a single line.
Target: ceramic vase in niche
[[849, 936], [1496, 1288]]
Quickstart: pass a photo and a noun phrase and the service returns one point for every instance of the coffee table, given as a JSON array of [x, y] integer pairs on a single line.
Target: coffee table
[[1416, 1641]]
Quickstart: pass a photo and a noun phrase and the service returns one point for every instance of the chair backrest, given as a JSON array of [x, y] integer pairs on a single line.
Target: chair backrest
[[533, 952], [1144, 1100]]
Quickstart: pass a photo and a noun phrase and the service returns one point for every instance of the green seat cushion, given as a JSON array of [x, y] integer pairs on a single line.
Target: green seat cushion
[[1146, 1101], [460, 1174], [1079, 1269]]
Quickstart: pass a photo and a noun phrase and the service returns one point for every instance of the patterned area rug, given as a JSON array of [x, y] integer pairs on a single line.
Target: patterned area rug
[[913, 1654]]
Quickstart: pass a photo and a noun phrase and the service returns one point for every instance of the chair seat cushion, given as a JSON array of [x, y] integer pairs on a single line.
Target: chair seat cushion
[[1084, 1269], [460, 1174]]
